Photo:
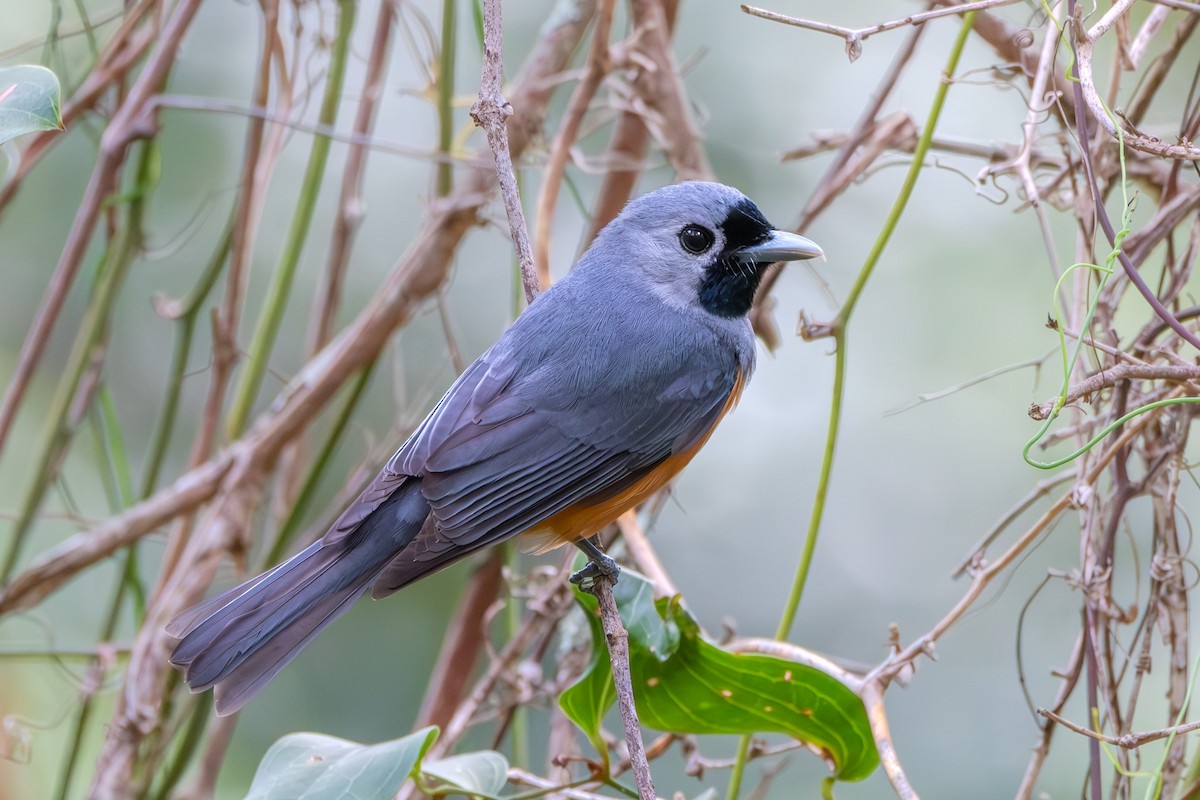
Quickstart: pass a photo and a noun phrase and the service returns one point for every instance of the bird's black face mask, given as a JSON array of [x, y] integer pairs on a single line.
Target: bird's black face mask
[[729, 283]]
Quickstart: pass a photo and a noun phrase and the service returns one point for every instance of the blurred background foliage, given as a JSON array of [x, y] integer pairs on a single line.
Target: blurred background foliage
[[964, 289]]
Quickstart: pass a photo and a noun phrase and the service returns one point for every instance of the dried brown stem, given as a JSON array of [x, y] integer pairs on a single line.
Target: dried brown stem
[[628, 147], [351, 209], [856, 36], [598, 65], [491, 112], [463, 642], [1135, 139], [1115, 374], [643, 555], [659, 94], [1129, 741]]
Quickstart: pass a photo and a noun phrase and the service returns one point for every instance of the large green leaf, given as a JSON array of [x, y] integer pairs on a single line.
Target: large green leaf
[[312, 766], [28, 101], [684, 684], [483, 773]]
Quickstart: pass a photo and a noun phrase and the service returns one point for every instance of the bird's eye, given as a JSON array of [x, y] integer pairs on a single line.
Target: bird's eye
[[695, 239]]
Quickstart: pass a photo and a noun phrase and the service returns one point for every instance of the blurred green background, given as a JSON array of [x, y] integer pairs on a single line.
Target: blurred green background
[[964, 288]]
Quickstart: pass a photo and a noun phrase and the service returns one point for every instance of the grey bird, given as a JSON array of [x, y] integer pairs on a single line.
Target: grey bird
[[599, 393]]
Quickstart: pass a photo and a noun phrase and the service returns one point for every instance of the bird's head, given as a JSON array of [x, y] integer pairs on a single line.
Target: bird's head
[[697, 244]]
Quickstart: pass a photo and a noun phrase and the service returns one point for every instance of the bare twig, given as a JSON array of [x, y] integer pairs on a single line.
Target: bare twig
[[462, 644], [544, 611], [872, 697], [1128, 741], [598, 64], [835, 180], [617, 640], [856, 36], [661, 98], [350, 200], [1113, 375], [491, 112], [643, 554], [627, 148], [1083, 42]]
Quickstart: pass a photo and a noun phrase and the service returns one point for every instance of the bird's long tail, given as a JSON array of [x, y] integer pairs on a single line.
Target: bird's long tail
[[239, 640]]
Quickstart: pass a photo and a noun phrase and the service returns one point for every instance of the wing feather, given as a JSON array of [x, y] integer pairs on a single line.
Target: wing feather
[[538, 424]]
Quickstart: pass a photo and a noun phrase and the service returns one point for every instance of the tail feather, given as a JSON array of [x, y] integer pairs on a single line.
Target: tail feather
[[257, 669], [239, 640]]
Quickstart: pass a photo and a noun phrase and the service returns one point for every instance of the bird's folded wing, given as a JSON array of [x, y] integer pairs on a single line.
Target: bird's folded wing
[[498, 460]]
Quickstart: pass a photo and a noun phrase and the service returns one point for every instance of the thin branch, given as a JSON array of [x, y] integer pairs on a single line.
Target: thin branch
[[643, 555], [350, 200], [462, 643], [872, 697], [835, 180], [1115, 374], [927, 641], [617, 640], [627, 148], [598, 65], [1128, 741], [856, 36], [660, 94], [1091, 99], [491, 112]]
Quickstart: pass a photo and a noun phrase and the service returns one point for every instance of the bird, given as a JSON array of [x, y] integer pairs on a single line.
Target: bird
[[596, 396]]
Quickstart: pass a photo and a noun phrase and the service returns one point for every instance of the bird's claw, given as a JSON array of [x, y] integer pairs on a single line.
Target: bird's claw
[[598, 565]]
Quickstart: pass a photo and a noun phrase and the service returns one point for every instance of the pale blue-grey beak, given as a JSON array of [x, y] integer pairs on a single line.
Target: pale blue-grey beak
[[781, 246]]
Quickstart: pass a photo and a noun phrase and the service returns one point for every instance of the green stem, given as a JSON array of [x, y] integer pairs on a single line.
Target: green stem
[[519, 727], [291, 525], [184, 334], [118, 487], [108, 434], [839, 329], [92, 332], [445, 98], [193, 734], [267, 329]]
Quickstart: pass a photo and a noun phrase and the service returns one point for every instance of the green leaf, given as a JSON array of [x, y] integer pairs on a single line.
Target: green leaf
[[29, 97], [481, 773], [312, 766], [587, 700], [684, 684]]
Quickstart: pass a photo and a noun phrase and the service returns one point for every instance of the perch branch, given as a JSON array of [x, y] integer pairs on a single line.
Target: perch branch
[[617, 640]]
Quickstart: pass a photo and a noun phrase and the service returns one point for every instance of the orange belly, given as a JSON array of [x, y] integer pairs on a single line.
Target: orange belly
[[587, 518]]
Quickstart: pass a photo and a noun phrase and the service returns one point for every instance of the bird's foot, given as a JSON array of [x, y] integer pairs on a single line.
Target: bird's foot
[[598, 566]]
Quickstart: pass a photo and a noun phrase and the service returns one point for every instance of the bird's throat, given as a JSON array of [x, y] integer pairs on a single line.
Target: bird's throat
[[728, 287]]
